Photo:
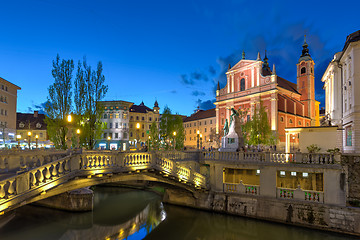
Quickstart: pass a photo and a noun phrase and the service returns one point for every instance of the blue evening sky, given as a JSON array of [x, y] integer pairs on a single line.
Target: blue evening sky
[[172, 51]]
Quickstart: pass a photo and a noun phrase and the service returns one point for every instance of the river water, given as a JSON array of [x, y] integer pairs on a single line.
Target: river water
[[133, 214]]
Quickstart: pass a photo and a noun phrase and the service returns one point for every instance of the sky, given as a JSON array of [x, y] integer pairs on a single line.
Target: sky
[[174, 52]]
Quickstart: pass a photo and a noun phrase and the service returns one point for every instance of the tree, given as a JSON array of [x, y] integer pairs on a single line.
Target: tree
[[258, 130], [58, 104], [154, 137], [169, 124], [215, 137], [89, 91]]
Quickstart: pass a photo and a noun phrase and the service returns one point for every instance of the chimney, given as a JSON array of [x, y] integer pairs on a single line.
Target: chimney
[[36, 113]]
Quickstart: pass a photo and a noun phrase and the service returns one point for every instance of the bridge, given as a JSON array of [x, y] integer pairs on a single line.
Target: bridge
[[34, 177]]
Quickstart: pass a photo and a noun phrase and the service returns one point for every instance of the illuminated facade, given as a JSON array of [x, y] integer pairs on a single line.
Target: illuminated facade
[[200, 129], [287, 104], [141, 118], [342, 105], [116, 117], [8, 102]]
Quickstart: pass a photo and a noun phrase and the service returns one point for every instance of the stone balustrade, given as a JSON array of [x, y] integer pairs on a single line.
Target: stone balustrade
[[242, 188], [32, 182], [301, 195], [273, 157]]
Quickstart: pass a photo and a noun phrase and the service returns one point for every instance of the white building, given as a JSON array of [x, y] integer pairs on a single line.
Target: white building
[[116, 117], [342, 106]]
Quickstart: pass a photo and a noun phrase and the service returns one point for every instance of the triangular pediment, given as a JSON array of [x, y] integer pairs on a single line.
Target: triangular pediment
[[242, 63]]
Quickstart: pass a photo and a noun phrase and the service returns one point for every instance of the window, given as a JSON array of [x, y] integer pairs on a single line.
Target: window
[[293, 174], [299, 123], [105, 116], [282, 173], [137, 117], [41, 134], [205, 129], [242, 84], [190, 131], [190, 138], [281, 119], [131, 118], [130, 125], [348, 136], [194, 124], [131, 134], [258, 172], [210, 121], [116, 115], [110, 135], [105, 135], [124, 135], [204, 122], [143, 118], [143, 126], [124, 115], [303, 70], [116, 125], [290, 120], [149, 126], [38, 125], [199, 123], [111, 115], [248, 118], [305, 174], [5, 88], [116, 135], [5, 112], [142, 134], [307, 124], [150, 119], [155, 119], [110, 125]]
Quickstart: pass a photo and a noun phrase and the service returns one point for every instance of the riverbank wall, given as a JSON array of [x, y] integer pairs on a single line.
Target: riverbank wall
[[312, 215]]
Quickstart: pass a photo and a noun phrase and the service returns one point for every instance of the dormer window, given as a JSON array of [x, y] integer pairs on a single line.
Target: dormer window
[[38, 125], [21, 125]]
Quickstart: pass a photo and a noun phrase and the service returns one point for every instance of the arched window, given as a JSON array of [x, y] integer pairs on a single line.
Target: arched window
[[303, 70], [290, 121], [242, 84]]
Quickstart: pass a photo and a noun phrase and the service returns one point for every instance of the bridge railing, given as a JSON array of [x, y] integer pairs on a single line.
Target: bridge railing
[[273, 157], [300, 194], [242, 188]]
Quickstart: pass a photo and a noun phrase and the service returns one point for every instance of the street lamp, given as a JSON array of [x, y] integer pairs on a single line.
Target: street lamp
[[29, 137], [37, 138], [174, 134], [293, 137], [109, 138], [69, 118], [68, 135], [198, 138], [18, 137], [200, 141], [137, 134], [78, 136]]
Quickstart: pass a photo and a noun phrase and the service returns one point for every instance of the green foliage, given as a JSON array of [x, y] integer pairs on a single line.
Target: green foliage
[[333, 150], [313, 148], [89, 90], [257, 131], [58, 104], [154, 137], [169, 124]]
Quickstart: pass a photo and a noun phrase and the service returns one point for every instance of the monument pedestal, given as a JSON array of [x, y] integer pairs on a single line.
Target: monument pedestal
[[229, 143]]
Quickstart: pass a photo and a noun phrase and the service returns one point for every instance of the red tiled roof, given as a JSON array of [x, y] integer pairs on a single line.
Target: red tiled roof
[[201, 114], [287, 85]]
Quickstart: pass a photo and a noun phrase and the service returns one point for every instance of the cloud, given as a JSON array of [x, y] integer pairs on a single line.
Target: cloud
[[185, 80], [196, 77], [205, 105], [173, 91], [197, 93], [212, 70], [37, 107]]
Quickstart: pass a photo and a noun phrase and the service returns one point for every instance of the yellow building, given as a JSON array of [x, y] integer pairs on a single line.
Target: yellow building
[[31, 126], [200, 130], [141, 118], [8, 102]]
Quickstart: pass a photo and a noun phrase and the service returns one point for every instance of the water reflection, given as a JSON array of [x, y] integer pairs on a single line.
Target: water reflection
[[117, 214], [132, 214]]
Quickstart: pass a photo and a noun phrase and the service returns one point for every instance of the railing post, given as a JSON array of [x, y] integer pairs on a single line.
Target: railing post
[[22, 183], [337, 158], [74, 162], [298, 157], [241, 156], [267, 156]]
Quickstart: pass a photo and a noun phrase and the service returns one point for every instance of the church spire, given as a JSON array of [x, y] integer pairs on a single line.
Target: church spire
[[218, 86], [305, 55], [229, 67], [258, 57], [265, 64]]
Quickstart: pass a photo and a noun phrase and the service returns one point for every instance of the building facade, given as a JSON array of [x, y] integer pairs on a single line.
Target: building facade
[[200, 130], [287, 104], [141, 118], [31, 126], [342, 104], [116, 119], [8, 103]]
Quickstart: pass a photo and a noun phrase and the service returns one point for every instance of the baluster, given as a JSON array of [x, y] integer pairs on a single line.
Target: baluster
[[47, 173], [67, 166], [2, 191], [11, 189], [61, 168], [32, 179], [40, 176]]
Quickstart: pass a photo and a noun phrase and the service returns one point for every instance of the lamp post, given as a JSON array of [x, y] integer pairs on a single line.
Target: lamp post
[[137, 134], [109, 138], [18, 137], [37, 139], [149, 143], [174, 134], [78, 136], [200, 141], [197, 139], [29, 138], [69, 135], [293, 137]]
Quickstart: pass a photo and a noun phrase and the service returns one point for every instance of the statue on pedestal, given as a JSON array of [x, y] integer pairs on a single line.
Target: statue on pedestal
[[233, 139]]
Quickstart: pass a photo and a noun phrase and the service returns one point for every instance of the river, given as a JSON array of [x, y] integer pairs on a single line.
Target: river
[[134, 214]]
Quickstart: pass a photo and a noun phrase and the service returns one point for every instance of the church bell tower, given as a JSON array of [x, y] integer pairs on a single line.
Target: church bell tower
[[306, 82]]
